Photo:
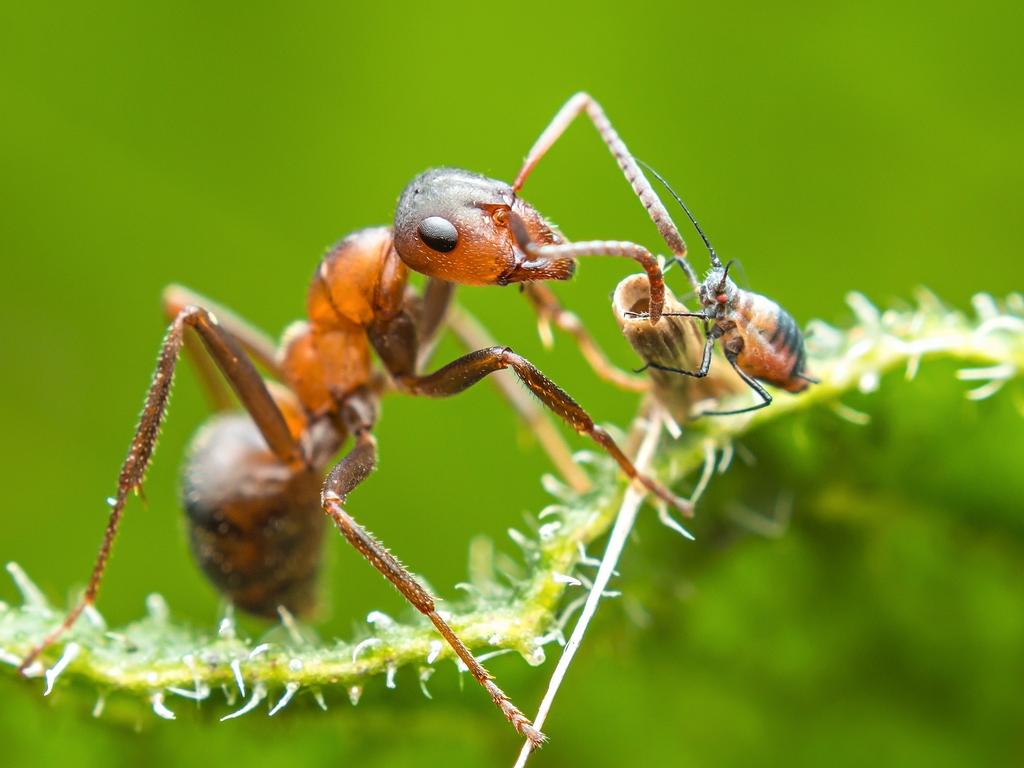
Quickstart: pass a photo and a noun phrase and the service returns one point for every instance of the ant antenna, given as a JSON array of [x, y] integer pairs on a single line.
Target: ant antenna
[[715, 261]]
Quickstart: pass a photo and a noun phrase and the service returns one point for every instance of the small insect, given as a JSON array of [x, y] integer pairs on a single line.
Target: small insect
[[760, 339], [253, 485]]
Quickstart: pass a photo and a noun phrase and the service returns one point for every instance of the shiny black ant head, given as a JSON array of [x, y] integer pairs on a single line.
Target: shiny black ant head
[[457, 226]]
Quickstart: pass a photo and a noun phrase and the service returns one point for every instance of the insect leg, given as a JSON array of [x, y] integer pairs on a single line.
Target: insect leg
[[646, 315], [469, 369], [583, 102], [259, 345], [255, 342], [542, 256], [472, 335], [700, 373], [251, 390], [754, 384], [346, 475], [434, 310], [550, 310]]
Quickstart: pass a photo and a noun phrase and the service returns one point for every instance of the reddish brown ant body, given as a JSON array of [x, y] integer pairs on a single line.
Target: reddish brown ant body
[[761, 340], [253, 486]]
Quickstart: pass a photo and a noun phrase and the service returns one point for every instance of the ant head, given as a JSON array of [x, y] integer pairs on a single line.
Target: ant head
[[457, 226], [718, 292]]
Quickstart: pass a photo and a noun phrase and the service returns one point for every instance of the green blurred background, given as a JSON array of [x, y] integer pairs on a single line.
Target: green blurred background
[[872, 146]]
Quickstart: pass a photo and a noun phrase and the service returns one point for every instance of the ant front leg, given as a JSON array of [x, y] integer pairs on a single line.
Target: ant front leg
[[358, 415], [469, 369], [472, 335], [433, 309], [541, 256], [550, 311], [581, 103], [251, 390]]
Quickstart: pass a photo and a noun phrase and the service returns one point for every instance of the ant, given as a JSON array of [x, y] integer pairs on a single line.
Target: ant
[[760, 339], [253, 486]]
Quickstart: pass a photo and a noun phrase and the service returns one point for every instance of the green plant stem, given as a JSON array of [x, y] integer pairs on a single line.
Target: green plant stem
[[155, 655]]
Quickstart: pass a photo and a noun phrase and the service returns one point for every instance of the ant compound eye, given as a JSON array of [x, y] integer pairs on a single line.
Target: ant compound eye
[[440, 234]]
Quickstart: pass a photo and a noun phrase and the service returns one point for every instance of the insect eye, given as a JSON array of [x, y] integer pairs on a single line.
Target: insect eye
[[438, 233], [500, 217]]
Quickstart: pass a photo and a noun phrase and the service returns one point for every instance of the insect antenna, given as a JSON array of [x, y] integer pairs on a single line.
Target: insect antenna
[[725, 274], [715, 261]]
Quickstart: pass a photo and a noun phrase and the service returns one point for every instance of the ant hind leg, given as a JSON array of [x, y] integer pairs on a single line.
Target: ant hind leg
[[262, 349], [355, 467], [251, 390]]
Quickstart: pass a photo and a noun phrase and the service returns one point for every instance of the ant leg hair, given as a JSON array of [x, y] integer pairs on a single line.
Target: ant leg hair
[[542, 257], [469, 369], [251, 390], [550, 310], [754, 384], [472, 335], [260, 346], [584, 103], [346, 475], [700, 373]]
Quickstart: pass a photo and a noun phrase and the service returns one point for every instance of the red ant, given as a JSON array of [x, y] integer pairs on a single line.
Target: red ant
[[253, 487], [760, 339]]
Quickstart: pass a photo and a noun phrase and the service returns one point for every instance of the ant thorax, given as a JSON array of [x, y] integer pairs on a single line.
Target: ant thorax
[[718, 293]]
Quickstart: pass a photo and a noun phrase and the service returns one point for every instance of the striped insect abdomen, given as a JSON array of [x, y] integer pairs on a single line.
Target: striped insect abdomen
[[773, 346]]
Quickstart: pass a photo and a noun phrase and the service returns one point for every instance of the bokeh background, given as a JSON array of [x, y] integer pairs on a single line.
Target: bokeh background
[[872, 146]]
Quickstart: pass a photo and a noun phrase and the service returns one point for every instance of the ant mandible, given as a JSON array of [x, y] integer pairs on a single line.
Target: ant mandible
[[252, 485], [760, 339]]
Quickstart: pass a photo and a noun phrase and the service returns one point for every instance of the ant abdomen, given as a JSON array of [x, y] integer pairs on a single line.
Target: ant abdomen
[[255, 525]]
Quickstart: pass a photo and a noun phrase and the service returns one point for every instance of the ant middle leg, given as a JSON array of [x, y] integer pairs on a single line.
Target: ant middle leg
[[251, 390], [469, 369], [358, 414]]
